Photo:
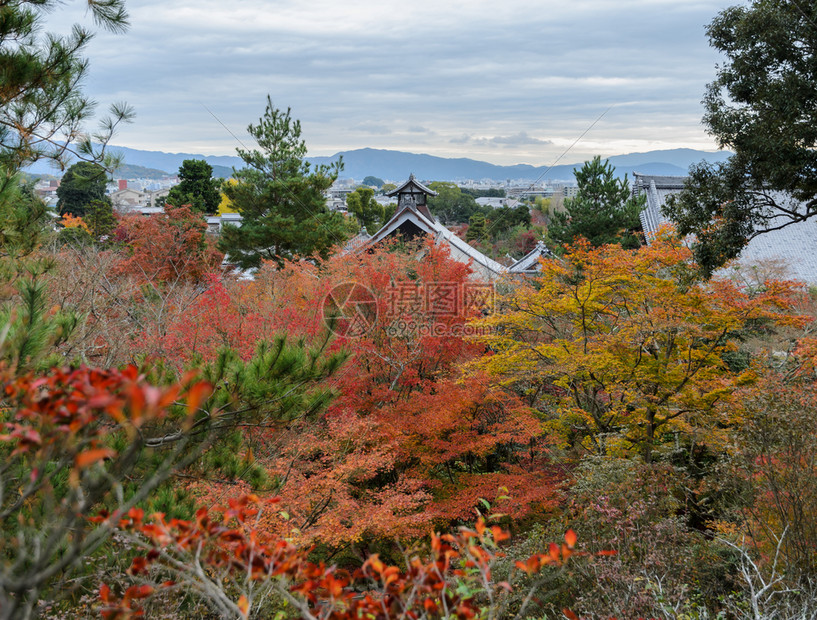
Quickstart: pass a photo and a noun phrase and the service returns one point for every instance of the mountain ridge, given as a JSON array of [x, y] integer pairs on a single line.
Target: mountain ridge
[[397, 165]]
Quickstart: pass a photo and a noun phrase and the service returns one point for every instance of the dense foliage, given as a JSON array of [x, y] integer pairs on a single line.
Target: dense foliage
[[180, 440], [82, 184], [279, 198], [369, 213], [603, 210], [196, 187], [615, 394], [761, 105]]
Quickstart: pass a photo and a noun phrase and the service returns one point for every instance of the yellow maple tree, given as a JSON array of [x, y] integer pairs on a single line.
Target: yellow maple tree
[[621, 349], [70, 221]]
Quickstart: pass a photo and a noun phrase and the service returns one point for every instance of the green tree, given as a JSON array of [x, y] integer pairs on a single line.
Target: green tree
[[365, 208], [41, 105], [388, 211], [763, 106], [23, 218], [82, 184], [281, 201], [603, 211], [477, 228], [505, 218], [493, 192], [197, 187], [99, 217], [451, 204], [373, 182]]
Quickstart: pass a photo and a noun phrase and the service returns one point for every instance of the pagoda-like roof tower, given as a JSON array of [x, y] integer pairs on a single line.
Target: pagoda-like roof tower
[[413, 194], [413, 219]]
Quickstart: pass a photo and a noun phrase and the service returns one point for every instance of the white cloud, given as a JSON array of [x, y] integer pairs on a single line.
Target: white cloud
[[416, 76]]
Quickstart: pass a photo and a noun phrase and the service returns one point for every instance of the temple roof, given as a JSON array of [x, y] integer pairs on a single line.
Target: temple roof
[[419, 219], [409, 186], [529, 263], [790, 248], [407, 214], [657, 189]]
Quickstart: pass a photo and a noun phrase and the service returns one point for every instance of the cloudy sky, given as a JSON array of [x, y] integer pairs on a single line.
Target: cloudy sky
[[505, 81]]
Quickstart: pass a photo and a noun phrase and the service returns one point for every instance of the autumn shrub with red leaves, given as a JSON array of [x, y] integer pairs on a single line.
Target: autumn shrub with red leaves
[[168, 247], [70, 442], [223, 559], [776, 468]]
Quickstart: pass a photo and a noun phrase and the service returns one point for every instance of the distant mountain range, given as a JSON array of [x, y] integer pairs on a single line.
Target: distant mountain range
[[397, 165], [133, 171]]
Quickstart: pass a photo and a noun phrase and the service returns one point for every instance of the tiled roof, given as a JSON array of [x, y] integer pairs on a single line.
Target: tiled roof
[[792, 248], [657, 189], [359, 240], [530, 262], [667, 182], [412, 181], [469, 250]]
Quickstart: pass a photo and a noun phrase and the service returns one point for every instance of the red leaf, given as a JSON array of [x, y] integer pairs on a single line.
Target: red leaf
[[138, 566], [138, 591], [89, 457], [197, 394]]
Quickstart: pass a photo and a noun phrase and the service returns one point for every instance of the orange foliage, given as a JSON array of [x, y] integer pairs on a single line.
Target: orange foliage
[[69, 221], [628, 345], [454, 581], [408, 442], [168, 247]]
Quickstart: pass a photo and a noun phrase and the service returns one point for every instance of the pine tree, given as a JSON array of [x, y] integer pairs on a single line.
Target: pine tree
[[477, 228], [280, 200], [603, 211], [197, 188], [99, 217], [23, 218], [41, 106]]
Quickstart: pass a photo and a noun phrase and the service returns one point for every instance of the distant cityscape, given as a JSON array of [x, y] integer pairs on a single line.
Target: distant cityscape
[[144, 195], [140, 185]]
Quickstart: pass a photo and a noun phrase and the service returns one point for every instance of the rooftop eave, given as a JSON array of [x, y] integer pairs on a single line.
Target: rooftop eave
[[411, 181]]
